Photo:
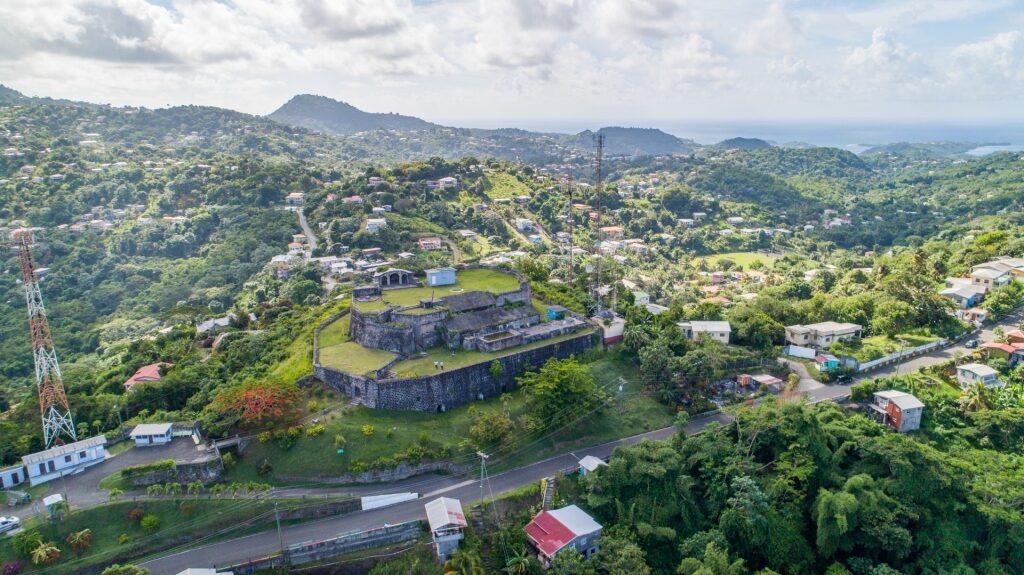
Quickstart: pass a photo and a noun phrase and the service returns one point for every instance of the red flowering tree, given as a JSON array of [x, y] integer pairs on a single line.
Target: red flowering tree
[[255, 401]]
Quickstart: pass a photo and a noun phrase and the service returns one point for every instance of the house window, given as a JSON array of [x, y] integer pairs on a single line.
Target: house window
[[81, 455], [67, 459], [51, 465]]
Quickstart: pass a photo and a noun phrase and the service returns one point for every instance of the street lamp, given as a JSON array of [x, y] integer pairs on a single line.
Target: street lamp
[[899, 361]]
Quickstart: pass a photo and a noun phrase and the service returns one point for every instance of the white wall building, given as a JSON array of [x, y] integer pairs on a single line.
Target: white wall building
[[716, 330], [146, 434], [64, 459]]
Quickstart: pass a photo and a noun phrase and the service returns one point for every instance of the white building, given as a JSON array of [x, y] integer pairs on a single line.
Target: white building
[[524, 225], [12, 476], [716, 330], [822, 335], [969, 374], [447, 521], [64, 459], [146, 434], [375, 224]]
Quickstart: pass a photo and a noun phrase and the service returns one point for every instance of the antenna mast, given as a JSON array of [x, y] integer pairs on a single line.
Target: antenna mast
[[53, 404], [567, 186], [598, 188]]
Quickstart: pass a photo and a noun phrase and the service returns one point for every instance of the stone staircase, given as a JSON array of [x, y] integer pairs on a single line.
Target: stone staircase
[[549, 493]]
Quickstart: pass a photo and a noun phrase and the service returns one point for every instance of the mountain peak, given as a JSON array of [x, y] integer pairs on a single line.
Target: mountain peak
[[335, 117]]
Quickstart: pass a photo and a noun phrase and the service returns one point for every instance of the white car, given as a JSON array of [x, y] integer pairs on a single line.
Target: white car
[[9, 523]]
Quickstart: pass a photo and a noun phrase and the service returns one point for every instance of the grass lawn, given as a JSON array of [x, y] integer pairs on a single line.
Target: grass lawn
[[354, 358], [109, 521], [877, 346], [632, 412], [337, 351], [477, 279], [740, 258], [423, 365], [502, 185]]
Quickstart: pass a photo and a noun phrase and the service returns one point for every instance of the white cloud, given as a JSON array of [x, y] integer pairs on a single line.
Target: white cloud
[[693, 61], [779, 30], [885, 63], [998, 56]]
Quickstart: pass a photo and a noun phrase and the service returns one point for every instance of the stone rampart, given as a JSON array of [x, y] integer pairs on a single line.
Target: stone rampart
[[447, 389]]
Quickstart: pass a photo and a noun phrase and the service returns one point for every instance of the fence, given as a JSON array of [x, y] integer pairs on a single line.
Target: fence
[[798, 351], [901, 355], [310, 551]]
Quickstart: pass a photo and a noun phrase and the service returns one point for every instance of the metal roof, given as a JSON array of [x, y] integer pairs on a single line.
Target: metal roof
[[151, 429], [576, 520], [63, 450], [445, 511]]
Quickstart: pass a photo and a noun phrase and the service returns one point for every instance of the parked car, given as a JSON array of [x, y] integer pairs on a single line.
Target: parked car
[[9, 524], [972, 343]]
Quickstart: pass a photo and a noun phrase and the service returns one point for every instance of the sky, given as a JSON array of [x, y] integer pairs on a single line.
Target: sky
[[476, 62]]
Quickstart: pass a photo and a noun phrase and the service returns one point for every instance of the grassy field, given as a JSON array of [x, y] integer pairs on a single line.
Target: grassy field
[[337, 351], [186, 519], [423, 365], [501, 185], [477, 279], [740, 258], [877, 346], [631, 412]]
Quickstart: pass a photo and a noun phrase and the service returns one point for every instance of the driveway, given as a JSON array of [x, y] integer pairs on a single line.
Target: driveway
[[807, 382], [83, 490]]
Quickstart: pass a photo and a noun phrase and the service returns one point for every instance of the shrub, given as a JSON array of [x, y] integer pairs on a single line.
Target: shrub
[[124, 538], [45, 554], [150, 523], [229, 461], [147, 468], [294, 431], [136, 514], [316, 430], [423, 438], [339, 441], [264, 436], [390, 433], [313, 405], [12, 568], [265, 468], [367, 431], [26, 541]]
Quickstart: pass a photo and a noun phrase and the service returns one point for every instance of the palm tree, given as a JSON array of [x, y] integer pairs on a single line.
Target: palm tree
[[217, 490], [115, 493], [464, 563], [195, 488], [172, 489], [974, 398], [45, 553], [80, 540], [155, 490], [519, 563], [233, 489]]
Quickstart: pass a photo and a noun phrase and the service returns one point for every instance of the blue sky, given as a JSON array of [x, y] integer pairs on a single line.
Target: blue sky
[[466, 61]]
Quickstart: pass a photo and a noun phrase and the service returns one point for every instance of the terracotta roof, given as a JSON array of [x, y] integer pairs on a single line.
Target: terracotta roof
[[1001, 346], [145, 373], [548, 534]]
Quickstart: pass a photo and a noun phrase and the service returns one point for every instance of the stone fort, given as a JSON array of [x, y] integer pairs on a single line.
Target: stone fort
[[473, 320]]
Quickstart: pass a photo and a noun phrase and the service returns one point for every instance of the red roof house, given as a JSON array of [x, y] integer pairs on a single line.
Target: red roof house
[[1015, 336], [145, 374], [552, 531]]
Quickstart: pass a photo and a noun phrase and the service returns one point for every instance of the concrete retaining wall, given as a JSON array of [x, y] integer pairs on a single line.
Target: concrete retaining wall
[[444, 390]]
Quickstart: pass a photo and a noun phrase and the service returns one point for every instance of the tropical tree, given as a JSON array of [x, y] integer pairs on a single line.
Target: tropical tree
[[80, 541], [974, 398], [45, 554], [255, 401], [715, 562], [464, 562], [115, 493], [195, 488], [518, 563], [155, 490]]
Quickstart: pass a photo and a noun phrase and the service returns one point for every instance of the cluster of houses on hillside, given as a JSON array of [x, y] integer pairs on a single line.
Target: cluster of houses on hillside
[[968, 293]]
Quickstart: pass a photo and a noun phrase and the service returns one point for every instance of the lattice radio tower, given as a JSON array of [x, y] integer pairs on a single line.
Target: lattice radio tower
[[53, 404]]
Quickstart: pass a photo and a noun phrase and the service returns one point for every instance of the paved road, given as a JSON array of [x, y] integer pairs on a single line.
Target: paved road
[[310, 236], [261, 544]]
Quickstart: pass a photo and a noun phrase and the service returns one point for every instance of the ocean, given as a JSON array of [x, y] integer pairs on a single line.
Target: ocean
[[853, 135]]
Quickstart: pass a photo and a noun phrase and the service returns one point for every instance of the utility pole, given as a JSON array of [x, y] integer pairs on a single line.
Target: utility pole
[[483, 471], [598, 188], [280, 538]]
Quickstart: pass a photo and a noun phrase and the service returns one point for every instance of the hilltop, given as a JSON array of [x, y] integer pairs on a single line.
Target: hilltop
[[744, 144], [635, 142], [340, 118]]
